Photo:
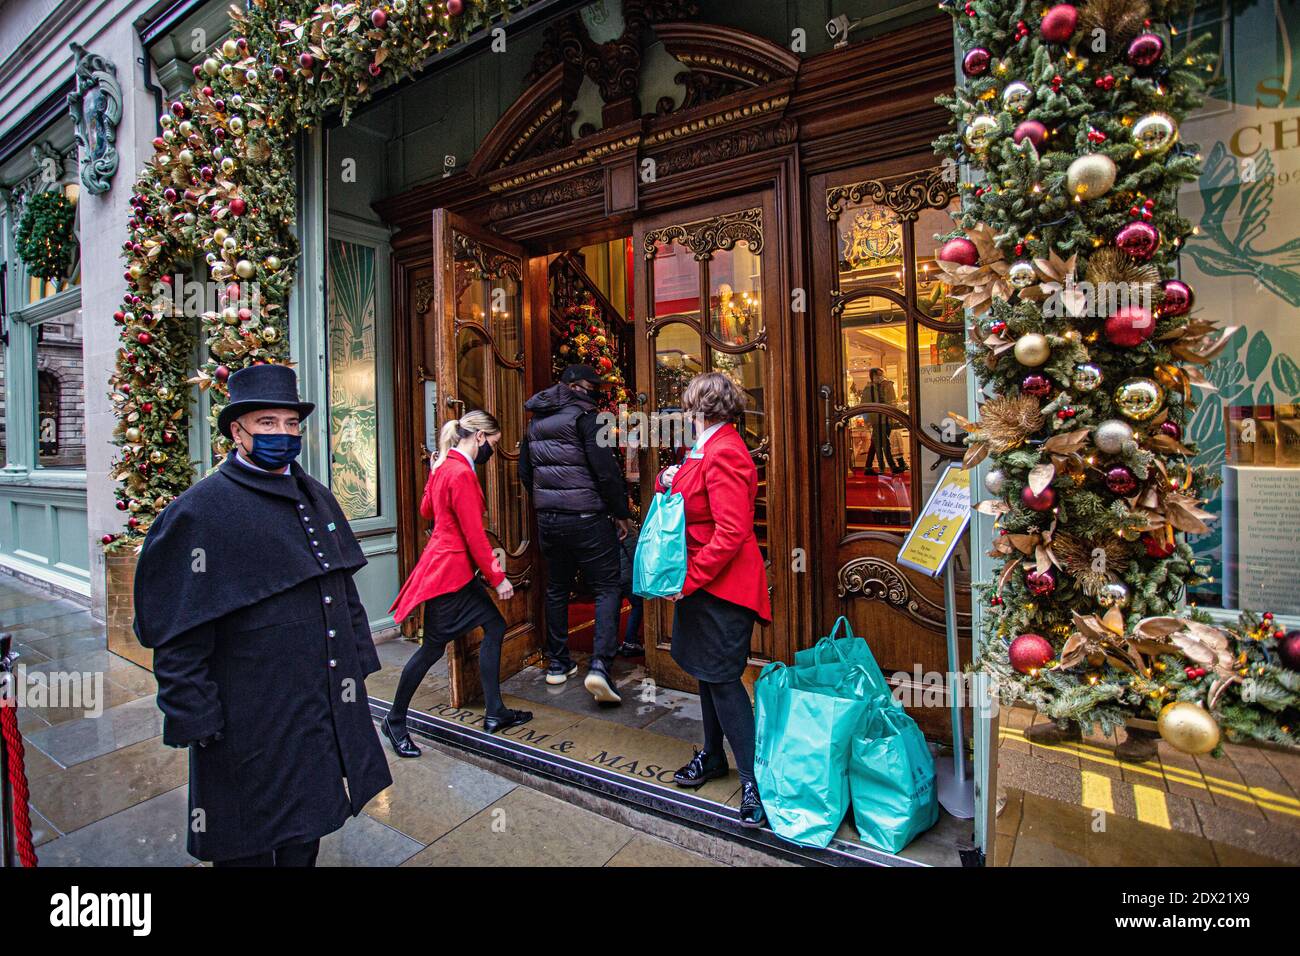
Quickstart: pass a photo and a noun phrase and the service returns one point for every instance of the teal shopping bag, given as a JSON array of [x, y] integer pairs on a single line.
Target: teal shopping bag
[[826, 663], [659, 565], [803, 737], [891, 779]]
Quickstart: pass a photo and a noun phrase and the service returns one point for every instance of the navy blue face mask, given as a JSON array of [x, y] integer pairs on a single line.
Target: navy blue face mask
[[274, 451]]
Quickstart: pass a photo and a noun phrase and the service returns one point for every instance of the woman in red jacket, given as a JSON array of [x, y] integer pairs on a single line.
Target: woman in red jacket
[[726, 583], [455, 601]]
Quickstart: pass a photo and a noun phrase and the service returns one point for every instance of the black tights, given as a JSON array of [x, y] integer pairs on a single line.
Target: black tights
[[726, 710], [430, 652]]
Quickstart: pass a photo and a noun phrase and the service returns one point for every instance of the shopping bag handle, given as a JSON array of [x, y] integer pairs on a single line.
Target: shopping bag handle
[[830, 643], [848, 628], [860, 677]]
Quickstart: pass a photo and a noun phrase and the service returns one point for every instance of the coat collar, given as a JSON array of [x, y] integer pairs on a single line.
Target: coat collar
[[265, 482]]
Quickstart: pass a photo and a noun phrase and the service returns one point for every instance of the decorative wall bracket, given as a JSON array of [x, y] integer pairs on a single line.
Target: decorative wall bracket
[[875, 579], [907, 197], [96, 121], [707, 236]]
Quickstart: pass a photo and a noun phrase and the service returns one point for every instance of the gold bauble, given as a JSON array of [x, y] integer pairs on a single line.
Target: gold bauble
[[1091, 176], [272, 263], [245, 269], [157, 457], [211, 66], [1155, 133], [1188, 728], [219, 235], [236, 125], [270, 334], [1139, 398], [133, 434], [230, 49], [1022, 274], [1032, 350]]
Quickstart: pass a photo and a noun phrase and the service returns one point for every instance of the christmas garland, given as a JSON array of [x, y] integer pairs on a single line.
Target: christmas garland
[[220, 190], [47, 235], [588, 342], [1090, 351]]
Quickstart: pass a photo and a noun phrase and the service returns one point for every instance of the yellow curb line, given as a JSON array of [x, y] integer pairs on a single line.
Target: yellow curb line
[[1151, 806], [1257, 795], [1096, 792]]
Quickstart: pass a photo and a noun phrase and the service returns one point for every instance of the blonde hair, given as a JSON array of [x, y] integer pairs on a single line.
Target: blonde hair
[[458, 429], [714, 396]]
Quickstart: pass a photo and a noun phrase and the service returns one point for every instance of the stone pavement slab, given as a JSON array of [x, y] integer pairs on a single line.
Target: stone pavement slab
[[151, 833]]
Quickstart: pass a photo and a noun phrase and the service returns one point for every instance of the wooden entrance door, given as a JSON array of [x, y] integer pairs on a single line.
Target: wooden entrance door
[[707, 284], [889, 368], [483, 336]]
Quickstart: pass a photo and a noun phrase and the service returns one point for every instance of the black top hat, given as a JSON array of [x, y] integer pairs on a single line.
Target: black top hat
[[262, 386]]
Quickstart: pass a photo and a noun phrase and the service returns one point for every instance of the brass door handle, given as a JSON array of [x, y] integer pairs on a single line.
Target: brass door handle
[[828, 447]]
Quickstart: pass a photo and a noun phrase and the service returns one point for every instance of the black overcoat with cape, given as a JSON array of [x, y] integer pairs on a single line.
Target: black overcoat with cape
[[244, 590]]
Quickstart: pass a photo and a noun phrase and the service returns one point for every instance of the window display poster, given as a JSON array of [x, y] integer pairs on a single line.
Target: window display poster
[[1244, 261]]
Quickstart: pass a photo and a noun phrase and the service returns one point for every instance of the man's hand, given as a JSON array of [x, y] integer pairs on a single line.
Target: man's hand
[[505, 590], [210, 739], [624, 527]]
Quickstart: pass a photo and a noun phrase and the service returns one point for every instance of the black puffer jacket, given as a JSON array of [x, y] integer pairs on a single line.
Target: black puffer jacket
[[561, 461]]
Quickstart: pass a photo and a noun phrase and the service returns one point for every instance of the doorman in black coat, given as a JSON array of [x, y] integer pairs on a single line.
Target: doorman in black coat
[[261, 645]]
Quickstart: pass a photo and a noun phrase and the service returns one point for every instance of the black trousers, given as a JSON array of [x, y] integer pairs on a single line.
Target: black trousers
[[291, 854], [725, 710], [430, 652], [570, 542]]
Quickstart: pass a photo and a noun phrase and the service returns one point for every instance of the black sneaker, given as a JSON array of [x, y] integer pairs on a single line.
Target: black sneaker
[[630, 649], [557, 672], [600, 686]]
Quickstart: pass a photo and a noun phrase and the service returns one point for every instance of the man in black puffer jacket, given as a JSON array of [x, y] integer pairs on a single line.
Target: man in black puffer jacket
[[580, 497]]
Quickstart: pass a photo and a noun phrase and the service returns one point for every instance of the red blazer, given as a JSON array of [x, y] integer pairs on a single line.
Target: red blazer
[[722, 555], [453, 501]]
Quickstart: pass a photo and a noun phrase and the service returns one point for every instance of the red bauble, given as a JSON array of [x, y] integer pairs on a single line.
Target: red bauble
[[108, 538], [1157, 547], [455, 7], [306, 61], [976, 61], [1033, 502], [1129, 326], [1040, 583], [238, 206], [1030, 652], [1145, 50], [222, 373], [1036, 385], [1288, 649], [1139, 239], [1121, 480], [1031, 130], [144, 338], [379, 18], [1172, 429], [1059, 23], [121, 505], [961, 251], [1178, 299]]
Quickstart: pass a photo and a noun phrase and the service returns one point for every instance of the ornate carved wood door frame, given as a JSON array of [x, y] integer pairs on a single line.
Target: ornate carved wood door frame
[[900, 612]]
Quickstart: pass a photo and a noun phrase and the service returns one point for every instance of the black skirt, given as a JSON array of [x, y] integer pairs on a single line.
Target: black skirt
[[448, 616], [711, 637]]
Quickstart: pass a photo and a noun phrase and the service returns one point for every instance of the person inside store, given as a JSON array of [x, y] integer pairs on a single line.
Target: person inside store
[[455, 599], [261, 646], [880, 391], [726, 583], [580, 499]]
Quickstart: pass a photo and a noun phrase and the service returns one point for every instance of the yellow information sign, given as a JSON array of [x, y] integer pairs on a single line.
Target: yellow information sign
[[930, 543]]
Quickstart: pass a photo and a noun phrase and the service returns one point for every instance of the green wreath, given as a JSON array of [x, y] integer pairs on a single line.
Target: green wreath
[[47, 235]]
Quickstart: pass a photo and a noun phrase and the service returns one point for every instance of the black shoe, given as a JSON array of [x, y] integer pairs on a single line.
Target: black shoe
[[751, 807], [630, 649], [511, 718], [402, 743], [557, 672], [701, 770], [600, 686]]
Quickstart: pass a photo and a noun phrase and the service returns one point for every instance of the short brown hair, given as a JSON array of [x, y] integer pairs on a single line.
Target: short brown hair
[[714, 396]]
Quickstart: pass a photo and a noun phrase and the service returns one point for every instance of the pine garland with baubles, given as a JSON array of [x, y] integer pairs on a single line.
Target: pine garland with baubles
[[221, 190], [1091, 350]]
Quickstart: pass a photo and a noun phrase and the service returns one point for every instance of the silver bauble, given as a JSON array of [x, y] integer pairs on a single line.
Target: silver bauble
[[1087, 377], [978, 131], [1113, 594], [1111, 436], [995, 481], [1022, 274], [1017, 97]]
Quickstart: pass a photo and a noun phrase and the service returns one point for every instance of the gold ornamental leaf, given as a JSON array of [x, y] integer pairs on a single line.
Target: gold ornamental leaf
[[1040, 476]]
